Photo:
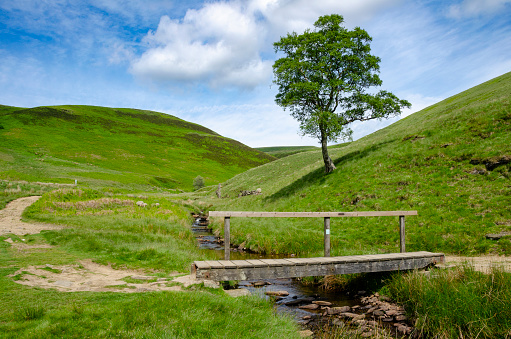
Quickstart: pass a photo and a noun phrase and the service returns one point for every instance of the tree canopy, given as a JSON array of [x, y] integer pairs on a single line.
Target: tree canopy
[[324, 80]]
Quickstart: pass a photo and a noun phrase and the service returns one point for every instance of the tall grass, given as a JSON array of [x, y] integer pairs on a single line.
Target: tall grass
[[461, 303], [201, 313], [113, 229], [11, 190]]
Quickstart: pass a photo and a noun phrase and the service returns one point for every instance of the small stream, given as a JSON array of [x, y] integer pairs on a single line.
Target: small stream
[[298, 294]]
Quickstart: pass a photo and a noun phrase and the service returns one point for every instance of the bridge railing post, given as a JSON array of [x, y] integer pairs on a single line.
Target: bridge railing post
[[402, 233], [327, 236], [227, 238]]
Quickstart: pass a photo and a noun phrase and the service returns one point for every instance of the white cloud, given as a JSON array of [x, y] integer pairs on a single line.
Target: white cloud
[[222, 42], [218, 44], [468, 8]]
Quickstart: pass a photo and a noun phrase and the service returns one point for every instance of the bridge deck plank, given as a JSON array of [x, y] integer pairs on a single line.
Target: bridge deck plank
[[241, 263], [302, 267]]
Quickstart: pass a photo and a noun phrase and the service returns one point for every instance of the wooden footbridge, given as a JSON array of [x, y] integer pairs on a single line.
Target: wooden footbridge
[[223, 270]]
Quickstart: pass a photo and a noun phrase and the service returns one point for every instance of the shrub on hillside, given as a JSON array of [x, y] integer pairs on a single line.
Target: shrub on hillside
[[198, 182]]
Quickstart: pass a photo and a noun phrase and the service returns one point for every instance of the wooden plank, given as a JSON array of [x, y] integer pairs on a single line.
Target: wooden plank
[[241, 263], [227, 264], [201, 265], [284, 262], [257, 263], [271, 262], [298, 261], [309, 214], [370, 257], [394, 255], [341, 259], [213, 264], [323, 260]]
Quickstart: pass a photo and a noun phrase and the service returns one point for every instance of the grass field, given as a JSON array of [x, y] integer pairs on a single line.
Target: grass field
[[450, 162], [109, 228], [119, 147]]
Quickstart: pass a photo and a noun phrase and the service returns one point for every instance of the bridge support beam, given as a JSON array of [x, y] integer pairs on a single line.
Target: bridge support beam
[[227, 238], [402, 233], [327, 236]]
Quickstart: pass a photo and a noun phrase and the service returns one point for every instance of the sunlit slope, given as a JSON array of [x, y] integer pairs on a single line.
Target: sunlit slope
[[284, 151], [115, 146], [450, 162]]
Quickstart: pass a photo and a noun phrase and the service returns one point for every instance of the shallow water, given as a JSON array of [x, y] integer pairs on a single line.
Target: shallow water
[[296, 290]]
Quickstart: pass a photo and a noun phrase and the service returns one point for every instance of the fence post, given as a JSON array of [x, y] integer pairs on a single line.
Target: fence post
[[402, 233], [327, 236], [227, 238]]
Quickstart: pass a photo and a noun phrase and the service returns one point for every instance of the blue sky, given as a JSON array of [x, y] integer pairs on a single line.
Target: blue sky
[[210, 62]]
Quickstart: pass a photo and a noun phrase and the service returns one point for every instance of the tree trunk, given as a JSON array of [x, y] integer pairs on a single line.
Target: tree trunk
[[329, 164]]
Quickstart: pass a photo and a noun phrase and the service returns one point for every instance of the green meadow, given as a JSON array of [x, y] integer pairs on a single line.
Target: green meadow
[[109, 228]]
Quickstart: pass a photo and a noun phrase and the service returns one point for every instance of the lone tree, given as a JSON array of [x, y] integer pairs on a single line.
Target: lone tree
[[324, 77]]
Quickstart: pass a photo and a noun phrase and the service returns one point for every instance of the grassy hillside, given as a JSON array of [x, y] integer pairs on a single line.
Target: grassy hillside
[[119, 147], [284, 151], [450, 162]]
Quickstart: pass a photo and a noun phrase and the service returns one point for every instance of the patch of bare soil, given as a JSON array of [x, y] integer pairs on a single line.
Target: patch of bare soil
[[90, 276], [481, 263], [10, 218]]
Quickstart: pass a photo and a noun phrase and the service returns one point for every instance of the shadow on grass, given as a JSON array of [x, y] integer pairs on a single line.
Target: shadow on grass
[[318, 177]]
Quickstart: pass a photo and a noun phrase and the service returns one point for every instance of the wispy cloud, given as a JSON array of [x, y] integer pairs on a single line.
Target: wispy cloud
[[470, 8]]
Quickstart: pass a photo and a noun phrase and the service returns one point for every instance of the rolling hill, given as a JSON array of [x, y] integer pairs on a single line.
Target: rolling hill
[[451, 162], [284, 151], [117, 147]]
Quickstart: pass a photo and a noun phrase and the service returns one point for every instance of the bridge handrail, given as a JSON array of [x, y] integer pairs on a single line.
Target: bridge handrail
[[326, 215], [310, 214]]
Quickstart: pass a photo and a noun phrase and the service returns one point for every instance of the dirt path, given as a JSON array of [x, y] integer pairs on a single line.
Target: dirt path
[[481, 263], [84, 276], [90, 276], [10, 218]]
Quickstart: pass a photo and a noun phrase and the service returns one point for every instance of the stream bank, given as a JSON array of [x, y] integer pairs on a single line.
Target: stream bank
[[321, 313]]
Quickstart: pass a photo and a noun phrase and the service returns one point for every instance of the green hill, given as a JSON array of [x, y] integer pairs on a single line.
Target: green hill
[[284, 151], [450, 162], [118, 147]]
